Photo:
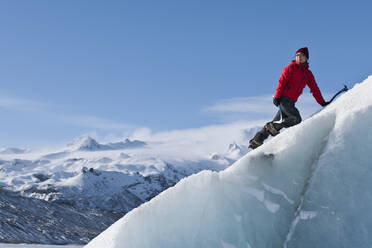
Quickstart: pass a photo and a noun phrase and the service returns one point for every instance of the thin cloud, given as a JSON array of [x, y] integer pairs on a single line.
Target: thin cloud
[[260, 104], [96, 122], [249, 108], [53, 112], [198, 142], [19, 104]]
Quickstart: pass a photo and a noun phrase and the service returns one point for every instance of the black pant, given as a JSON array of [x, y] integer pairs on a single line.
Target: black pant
[[291, 117]]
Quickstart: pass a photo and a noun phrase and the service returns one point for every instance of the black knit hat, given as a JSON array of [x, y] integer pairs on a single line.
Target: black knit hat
[[304, 50]]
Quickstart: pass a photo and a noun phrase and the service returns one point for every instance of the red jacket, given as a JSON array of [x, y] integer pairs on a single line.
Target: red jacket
[[294, 79]]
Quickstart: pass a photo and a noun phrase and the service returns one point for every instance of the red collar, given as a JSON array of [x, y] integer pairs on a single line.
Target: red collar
[[294, 62]]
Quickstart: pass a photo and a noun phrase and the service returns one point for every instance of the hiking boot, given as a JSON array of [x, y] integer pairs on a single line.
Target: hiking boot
[[270, 128], [253, 144]]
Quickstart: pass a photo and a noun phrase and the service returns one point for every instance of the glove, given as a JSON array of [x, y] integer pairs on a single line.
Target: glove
[[276, 101], [325, 103]]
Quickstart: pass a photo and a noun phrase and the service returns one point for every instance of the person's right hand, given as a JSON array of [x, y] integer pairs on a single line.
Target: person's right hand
[[276, 101], [325, 103]]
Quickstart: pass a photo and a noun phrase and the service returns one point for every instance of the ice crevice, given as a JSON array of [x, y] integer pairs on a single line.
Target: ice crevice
[[301, 214]]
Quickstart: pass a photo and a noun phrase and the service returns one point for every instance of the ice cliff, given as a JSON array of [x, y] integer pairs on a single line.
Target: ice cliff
[[314, 192]]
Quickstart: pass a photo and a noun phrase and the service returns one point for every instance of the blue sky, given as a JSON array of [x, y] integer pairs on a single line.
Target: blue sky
[[109, 67]]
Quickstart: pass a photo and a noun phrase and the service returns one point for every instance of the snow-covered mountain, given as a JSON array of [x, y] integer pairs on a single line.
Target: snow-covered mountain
[[55, 193], [86, 143], [307, 187], [30, 220]]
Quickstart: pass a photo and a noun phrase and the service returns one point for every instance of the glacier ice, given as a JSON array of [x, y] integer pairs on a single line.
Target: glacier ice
[[313, 193]]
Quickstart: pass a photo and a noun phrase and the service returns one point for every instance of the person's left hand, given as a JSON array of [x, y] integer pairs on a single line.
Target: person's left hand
[[325, 103]]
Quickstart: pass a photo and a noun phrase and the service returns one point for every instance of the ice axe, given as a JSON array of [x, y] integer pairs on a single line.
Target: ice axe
[[338, 93], [281, 113], [333, 98]]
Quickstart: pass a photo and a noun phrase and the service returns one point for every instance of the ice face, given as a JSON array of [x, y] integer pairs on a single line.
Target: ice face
[[339, 189], [312, 193]]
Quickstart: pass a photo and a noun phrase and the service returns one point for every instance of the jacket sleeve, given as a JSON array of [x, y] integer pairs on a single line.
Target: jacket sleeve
[[283, 81], [315, 89]]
